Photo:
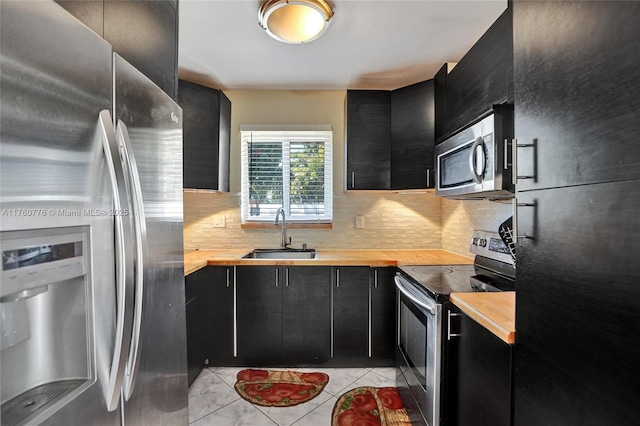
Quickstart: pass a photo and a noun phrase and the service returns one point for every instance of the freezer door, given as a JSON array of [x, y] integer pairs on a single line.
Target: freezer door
[[56, 77], [149, 130]]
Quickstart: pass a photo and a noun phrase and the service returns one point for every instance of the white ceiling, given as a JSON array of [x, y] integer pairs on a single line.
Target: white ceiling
[[370, 44]]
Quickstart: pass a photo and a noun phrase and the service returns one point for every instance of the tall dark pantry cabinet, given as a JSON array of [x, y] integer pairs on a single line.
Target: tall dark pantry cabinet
[[577, 100]]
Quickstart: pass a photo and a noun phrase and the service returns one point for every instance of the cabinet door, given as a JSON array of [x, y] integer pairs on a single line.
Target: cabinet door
[[577, 304], [412, 136], [196, 318], [483, 386], [259, 314], [482, 78], [368, 139], [351, 314], [151, 47], [578, 109], [201, 147], [306, 321], [224, 143], [383, 317], [219, 306]]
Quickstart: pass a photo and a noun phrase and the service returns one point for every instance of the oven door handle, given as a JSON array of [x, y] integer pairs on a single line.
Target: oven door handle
[[431, 307]]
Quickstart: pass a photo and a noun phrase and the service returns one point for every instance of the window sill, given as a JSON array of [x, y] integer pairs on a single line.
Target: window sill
[[290, 225]]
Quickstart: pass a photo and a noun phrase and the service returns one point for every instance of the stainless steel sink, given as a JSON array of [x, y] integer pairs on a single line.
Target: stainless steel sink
[[281, 254]]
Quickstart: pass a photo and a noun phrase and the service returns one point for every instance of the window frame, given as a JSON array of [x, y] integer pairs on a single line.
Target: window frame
[[287, 134]]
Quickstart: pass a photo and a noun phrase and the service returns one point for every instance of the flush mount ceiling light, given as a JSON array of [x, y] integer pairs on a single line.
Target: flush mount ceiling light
[[295, 21]]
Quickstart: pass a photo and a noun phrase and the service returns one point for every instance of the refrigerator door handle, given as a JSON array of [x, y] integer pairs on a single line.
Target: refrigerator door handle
[[139, 220], [124, 261]]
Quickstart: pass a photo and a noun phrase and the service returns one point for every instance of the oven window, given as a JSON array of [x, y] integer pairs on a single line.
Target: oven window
[[454, 167], [413, 340]]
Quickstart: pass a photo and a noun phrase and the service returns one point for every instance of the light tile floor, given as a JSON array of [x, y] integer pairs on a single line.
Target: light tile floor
[[214, 402]]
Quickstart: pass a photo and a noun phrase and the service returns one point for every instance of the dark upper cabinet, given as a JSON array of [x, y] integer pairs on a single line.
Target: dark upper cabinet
[[481, 392], [368, 138], [412, 136], [196, 319], [351, 314], [440, 101], [145, 33], [206, 116], [219, 307], [577, 352], [577, 76], [482, 78], [306, 320]]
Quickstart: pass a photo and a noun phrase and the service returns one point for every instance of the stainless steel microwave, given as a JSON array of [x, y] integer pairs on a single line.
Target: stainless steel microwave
[[474, 163]]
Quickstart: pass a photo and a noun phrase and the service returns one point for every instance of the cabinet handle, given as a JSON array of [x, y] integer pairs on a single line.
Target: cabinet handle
[[449, 333], [277, 276], [514, 159], [286, 276], [228, 273], [353, 180], [375, 278], [515, 205], [428, 177], [337, 277], [505, 151]]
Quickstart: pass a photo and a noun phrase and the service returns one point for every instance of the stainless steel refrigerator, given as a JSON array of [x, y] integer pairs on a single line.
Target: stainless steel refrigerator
[[92, 285]]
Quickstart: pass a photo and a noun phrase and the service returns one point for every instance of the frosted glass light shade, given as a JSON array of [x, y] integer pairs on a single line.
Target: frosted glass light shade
[[295, 21]]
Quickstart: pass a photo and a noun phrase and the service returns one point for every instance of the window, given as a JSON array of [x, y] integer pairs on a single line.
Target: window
[[288, 168]]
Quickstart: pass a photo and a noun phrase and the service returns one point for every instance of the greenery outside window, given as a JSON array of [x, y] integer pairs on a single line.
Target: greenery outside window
[[289, 168]]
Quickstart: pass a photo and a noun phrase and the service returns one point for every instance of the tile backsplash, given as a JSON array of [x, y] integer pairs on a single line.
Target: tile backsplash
[[392, 221]]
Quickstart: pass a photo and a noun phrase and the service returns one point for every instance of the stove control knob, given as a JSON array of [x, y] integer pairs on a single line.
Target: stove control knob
[[483, 243]]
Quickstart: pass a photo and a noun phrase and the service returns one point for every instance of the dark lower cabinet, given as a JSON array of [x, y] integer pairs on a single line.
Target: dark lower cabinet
[[351, 314], [219, 306], [283, 315], [306, 319], [143, 32], [383, 317], [259, 315], [577, 306], [197, 322], [479, 393]]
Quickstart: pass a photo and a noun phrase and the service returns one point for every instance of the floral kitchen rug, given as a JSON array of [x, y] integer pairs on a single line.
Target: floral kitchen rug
[[369, 406], [271, 388]]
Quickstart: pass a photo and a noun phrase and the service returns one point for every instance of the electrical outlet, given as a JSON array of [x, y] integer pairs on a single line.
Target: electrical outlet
[[219, 221], [359, 222]]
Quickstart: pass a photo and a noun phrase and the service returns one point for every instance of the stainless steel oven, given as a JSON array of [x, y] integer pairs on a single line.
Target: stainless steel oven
[[473, 163], [422, 298], [419, 343]]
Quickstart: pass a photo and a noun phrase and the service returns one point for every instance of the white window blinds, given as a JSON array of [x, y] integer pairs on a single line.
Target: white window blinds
[[290, 169]]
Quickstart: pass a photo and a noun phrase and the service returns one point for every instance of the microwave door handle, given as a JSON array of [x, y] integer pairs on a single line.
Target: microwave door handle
[[123, 264], [429, 307], [477, 172], [131, 370]]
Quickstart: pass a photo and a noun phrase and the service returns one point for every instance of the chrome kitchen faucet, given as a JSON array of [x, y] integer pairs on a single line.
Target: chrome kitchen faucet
[[283, 243]]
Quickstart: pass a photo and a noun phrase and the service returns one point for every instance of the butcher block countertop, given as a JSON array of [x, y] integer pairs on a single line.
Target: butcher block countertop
[[495, 311], [229, 257]]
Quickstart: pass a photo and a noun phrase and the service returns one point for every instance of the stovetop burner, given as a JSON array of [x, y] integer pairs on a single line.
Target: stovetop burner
[[493, 270], [441, 280]]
